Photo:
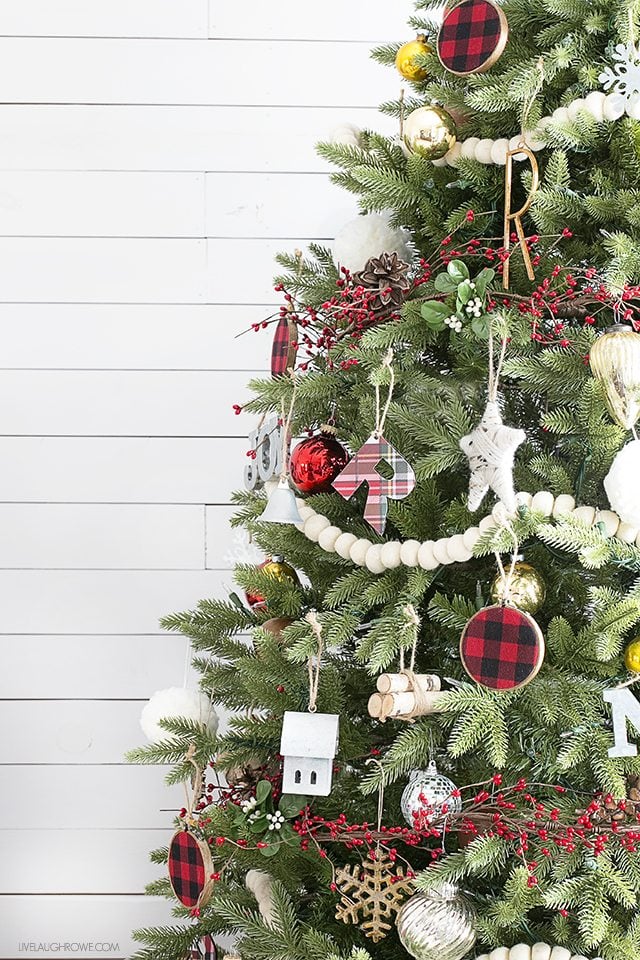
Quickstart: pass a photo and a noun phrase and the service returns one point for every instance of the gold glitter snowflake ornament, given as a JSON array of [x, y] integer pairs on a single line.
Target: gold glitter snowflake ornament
[[372, 893]]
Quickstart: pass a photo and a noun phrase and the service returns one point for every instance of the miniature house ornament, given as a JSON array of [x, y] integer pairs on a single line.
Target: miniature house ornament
[[309, 744]]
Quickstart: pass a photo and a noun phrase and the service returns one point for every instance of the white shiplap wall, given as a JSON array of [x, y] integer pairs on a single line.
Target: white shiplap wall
[[152, 160]]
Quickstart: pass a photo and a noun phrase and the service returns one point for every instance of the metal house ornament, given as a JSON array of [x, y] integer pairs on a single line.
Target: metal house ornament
[[309, 741], [308, 744]]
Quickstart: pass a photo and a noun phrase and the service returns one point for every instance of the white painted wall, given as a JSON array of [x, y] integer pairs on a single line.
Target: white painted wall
[[152, 160]]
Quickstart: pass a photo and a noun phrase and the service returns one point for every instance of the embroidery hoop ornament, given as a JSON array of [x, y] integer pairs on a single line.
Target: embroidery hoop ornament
[[190, 867], [467, 29], [189, 862], [494, 661]]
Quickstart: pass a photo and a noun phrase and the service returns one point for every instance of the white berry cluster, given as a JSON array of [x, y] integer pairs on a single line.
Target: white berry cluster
[[249, 807], [275, 820], [454, 322], [474, 307]]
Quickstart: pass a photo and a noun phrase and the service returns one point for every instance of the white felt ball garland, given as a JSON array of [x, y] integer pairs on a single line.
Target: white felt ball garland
[[602, 107], [539, 951], [378, 557]]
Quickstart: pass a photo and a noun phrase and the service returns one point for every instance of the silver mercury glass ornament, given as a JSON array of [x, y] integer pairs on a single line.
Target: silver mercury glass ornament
[[437, 925], [426, 794]]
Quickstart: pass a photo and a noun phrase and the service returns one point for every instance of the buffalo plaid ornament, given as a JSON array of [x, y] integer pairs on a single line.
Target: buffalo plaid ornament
[[190, 868], [472, 37], [285, 347], [502, 648], [363, 468], [203, 949]]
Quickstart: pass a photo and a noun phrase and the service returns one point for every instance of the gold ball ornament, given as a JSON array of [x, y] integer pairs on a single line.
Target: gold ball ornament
[[527, 589], [429, 132], [406, 59], [615, 362], [632, 656]]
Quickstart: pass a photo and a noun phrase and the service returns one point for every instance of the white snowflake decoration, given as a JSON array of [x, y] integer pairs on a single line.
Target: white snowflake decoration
[[623, 78]]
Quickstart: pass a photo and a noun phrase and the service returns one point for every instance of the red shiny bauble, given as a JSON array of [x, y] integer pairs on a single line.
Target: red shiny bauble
[[316, 462], [277, 568]]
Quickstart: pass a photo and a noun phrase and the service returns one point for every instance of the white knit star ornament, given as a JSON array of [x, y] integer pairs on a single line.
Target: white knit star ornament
[[491, 449]]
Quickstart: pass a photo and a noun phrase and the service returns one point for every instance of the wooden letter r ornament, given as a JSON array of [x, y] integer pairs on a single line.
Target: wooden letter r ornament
[[363, 469]]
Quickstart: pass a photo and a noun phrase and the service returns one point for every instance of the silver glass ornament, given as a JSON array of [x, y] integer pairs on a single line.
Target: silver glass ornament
[[426, 794], [438, 925]]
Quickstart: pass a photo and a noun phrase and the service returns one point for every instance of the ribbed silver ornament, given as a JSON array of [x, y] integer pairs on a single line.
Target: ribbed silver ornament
[[438, 925], [436, 789]]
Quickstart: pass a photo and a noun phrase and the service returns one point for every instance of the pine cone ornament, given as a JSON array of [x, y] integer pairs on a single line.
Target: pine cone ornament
[[385, 280], [619, 811]]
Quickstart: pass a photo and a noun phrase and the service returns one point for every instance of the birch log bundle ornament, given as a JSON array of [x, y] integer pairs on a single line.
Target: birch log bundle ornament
[[405, 696], [539, 951]]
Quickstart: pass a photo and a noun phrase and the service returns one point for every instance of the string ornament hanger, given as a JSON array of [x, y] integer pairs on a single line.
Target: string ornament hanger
[[373, 892], [406, 695]]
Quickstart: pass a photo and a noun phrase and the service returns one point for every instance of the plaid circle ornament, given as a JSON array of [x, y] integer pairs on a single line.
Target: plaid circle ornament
[[203, 949], [472, 37], [285, 347], [502, 648], [190, 867]]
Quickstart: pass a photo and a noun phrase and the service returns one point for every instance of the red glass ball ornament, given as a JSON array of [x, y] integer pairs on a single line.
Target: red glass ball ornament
[[277, 568], [316, 462]]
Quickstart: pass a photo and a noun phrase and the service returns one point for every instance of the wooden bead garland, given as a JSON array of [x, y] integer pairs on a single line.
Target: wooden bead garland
[[378, 557], [602, 107], [539, 951]]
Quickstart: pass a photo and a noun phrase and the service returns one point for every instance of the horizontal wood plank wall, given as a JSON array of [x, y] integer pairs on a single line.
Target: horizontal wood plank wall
[[154, 156]]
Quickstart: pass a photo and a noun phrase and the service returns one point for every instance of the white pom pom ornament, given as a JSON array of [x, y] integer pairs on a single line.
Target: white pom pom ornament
[[367, 237], [347, 134], [621, 484], [173, 703]]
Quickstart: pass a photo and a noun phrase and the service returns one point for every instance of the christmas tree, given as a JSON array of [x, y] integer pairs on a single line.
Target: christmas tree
[[430, 675]]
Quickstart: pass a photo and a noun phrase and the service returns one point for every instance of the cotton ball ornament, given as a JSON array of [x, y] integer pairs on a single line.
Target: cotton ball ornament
[[369, 236], [621, 484], [346, 134], [174, 703]]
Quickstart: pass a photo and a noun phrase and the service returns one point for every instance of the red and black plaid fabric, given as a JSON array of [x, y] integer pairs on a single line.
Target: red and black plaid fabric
[[204, 949], [285, 347], [186, 868], [362, 468], [502, 648], [470, 36]]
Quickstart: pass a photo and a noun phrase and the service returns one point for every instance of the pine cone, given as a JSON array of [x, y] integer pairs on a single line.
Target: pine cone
[[385, 280], [621, 811]]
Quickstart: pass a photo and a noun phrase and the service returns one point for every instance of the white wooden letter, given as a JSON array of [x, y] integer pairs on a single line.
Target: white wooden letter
[[624, 706]]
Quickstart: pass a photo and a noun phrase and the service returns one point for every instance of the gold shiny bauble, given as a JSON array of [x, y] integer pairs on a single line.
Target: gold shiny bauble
[[406, 59], [632, 656], [615, 362], [430, 132], [527, 589]]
